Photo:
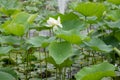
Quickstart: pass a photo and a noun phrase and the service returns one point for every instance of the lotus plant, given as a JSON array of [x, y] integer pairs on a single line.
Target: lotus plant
[[51, 22]]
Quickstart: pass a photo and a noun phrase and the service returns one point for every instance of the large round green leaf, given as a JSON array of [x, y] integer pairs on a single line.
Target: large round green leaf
[[60, 51], [90, 9], [71, 21], [9, 71], [66, 63], [9, 11], [20, 18], [5, 50], [40, 41], [72, 36], [113, 15], [23, 18], [98, 45], [96, 72], [16, 29], [113, 25], [114, 1], [111, 40], [11, 40], [6, 76], [19, 24], [10, 7]]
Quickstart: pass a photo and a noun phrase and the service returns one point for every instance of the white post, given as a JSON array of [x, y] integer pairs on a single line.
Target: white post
[[62, 5]]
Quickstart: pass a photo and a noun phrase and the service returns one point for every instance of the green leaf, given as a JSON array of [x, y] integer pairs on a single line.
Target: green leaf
[[71, 21], [114, 25], [6, 76], [10, 7], [66, 63], [91, 9], [117, 35], [10, 11], [5, 26], [32, 18], [10, 40], [60, 51], [113, 15], [10, 4], [20, 18], [98, 45], [96, 72], [114, 1], [40, 41], [91, 20], [4, 50], [111, 40], [18, 25], [117, 50], [16, 29], [9, 71], [36, 41], [72, 36]]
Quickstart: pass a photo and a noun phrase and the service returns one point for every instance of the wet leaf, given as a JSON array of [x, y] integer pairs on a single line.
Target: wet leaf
[[9, 71], [113, 15], [40, 41], [5, 50], [72, 36], [60, 51], [6, 76], [113, 25], [66, 63], [99, 45], [117, 35], [91, 9], [71, 21], [96, 72]]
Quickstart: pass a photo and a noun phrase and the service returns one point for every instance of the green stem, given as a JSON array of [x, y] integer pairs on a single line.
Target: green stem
[[93, 58], [27, 65], [56, 73], [40, 62], [70, 72], [16, 59], [64, 73], [60, 73], [46, 61]]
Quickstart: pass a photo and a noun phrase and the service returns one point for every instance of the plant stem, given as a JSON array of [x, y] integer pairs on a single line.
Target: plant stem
[[60, 73], [27, 64], [56, 73], [46, 61], [40, 62], [70, 72], [64, 73]]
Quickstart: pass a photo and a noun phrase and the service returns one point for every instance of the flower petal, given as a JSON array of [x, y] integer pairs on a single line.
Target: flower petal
[[60, 25]]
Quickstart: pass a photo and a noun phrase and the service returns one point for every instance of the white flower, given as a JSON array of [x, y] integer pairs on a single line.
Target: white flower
[[51, 22]]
